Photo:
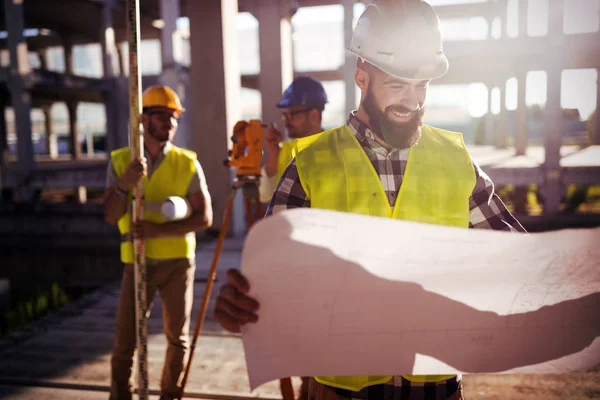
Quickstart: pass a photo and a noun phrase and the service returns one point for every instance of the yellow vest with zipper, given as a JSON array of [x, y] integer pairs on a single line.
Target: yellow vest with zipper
[[336, 174], [171, 178]]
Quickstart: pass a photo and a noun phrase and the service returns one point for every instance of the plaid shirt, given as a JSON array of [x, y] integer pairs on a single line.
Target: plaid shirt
[[487, 211]]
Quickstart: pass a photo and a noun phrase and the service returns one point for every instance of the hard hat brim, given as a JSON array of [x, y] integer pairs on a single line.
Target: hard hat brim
[[287, 104], [178, 110], [435, 71]]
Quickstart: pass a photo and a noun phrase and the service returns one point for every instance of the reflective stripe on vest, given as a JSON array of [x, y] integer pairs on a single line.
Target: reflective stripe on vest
[[336, 174], [171, 178]]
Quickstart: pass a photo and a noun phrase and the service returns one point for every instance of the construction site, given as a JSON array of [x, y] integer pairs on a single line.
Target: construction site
[[523, 87]]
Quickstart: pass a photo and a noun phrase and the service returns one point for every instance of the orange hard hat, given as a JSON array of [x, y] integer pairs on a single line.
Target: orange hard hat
[[161, 96]]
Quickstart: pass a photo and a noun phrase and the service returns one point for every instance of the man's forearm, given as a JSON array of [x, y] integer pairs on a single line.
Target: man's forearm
[[114, 206], [194, 223], [271, 164]]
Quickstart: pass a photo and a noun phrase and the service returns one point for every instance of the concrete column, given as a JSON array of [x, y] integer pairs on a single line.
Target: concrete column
[[521, 123], [120, 94], [553, 120], [556, 10], [73, 131], [215, 89], [2, 146], [42, 56], [68, 54], [489, 119], [553, 125], [21, 98], [109, 52], [350, 60], [595, 139], [3, 138], [120, 56], [523, 18], [170, 76], [51, 140], [276, 63], [500, 131], [107, 40]]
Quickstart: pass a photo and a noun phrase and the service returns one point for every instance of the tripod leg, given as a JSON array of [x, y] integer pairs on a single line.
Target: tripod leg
[[259, 210], [209, 284], [249, 214]]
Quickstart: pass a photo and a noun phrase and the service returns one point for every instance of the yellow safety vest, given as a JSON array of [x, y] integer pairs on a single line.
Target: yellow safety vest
[[171, 178], [336, 174], [285, 156]]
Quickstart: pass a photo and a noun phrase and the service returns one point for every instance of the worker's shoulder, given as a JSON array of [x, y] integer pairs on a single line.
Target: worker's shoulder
[[439, 134], [120, 152], [441, 131], [181, 152], [322, 137]]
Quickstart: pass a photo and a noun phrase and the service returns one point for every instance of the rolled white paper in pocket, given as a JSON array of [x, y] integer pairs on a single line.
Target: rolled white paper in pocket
[[175, 208]]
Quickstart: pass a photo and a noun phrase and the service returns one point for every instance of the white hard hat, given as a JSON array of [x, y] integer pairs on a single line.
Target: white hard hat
[[402, 38]]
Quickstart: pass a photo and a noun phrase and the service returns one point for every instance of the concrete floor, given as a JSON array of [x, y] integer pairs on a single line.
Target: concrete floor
[[71, 349], [67, 355]]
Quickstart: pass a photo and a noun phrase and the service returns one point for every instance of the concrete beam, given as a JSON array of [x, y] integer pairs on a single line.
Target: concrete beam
[[275, 43], [62, 174], [486, 9], [21, 98], [487, 60], [214, 92]]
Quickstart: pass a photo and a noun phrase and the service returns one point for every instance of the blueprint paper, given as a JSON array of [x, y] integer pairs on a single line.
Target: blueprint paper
[[346, 294]]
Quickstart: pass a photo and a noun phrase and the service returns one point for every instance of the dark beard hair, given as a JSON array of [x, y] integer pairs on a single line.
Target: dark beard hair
[[397, 135], [153, 131]]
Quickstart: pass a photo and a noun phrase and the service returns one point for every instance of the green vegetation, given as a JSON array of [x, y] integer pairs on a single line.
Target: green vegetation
[[30, 301]]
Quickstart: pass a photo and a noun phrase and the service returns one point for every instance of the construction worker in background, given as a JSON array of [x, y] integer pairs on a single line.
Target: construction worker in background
[[384, 162], [301, 107], [167, 172]]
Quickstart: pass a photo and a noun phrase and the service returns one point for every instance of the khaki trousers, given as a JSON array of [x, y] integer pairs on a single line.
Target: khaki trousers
[[174, 280]]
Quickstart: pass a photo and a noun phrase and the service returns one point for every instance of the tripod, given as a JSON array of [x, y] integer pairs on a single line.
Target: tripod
[[249, 185]]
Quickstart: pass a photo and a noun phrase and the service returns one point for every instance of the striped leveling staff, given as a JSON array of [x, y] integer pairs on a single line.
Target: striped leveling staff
[[137, 150]]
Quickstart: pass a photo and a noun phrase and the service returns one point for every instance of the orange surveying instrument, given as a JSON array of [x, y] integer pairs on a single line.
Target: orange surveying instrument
[[245, 156]]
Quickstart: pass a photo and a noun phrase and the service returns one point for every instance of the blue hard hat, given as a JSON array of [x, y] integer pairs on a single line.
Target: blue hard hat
[[304, 91]]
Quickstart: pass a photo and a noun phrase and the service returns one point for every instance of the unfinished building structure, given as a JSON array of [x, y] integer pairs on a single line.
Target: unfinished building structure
[[210, 87]]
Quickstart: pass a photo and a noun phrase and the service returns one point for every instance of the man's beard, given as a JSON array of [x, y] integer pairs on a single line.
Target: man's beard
[[156, 134], [399, 135], [298, 132]]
